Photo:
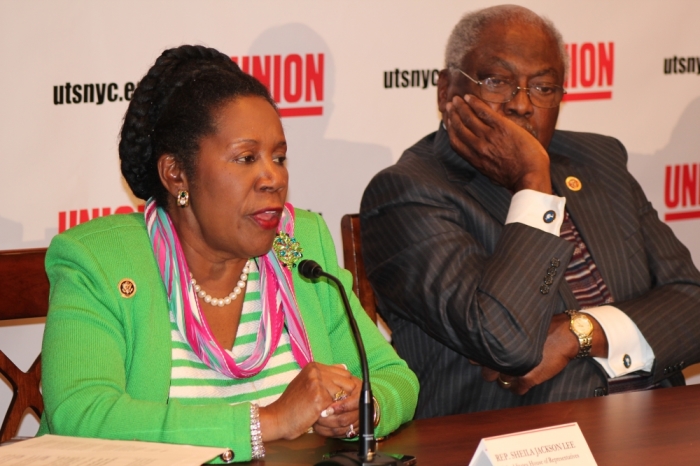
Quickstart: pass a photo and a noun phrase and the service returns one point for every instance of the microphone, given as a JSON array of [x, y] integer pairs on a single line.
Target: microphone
[[366, 454], [310, 269]]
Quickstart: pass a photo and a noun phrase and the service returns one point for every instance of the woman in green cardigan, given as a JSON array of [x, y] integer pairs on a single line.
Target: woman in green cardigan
[[190, 324]]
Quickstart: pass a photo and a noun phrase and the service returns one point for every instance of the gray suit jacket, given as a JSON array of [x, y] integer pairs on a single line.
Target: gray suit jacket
[[455, 283]]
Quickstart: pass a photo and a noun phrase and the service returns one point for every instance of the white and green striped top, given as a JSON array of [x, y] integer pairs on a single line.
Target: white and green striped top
[[193, 382]]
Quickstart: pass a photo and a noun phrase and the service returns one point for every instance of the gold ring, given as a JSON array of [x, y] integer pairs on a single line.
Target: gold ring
[[310, 430], [503, 383], [351, 432], [341, 395]]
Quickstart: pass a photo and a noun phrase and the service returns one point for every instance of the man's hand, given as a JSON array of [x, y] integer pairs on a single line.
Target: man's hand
[[502, 150], [560, 347]]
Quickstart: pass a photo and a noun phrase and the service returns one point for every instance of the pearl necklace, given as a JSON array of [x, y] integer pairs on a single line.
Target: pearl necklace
[[221, 302]]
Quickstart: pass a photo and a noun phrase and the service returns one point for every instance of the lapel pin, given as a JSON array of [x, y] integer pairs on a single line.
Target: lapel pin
[[573, 183], [127, 288]]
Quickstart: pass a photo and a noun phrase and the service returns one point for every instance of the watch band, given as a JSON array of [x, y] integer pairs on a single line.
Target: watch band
[[585, 340], [584, 346]]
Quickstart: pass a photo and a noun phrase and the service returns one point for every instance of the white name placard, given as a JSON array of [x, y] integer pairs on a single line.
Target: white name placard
[[556, 445]]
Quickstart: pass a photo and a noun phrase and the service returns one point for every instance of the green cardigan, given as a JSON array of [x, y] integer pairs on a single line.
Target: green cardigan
[[106, 359]]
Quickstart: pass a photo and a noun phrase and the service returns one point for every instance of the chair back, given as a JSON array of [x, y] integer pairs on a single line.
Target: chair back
[[352, 254], [25, 294]]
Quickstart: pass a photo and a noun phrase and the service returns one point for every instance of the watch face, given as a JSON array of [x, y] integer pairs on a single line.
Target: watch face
[[582, 325]]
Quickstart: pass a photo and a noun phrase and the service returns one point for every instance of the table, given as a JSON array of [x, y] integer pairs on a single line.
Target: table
[[655, 427]]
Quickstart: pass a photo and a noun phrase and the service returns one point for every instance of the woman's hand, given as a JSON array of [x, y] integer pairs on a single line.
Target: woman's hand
[[306, 397], [336, 419]]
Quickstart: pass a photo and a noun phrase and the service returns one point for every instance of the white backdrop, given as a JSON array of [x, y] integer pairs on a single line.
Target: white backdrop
[[357, 75]]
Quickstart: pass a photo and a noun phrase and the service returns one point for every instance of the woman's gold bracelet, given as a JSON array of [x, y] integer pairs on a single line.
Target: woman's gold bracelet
[[377, 412]]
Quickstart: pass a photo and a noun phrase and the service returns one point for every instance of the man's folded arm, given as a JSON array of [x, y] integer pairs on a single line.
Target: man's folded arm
[[483, 301], [667, 314], [628, 350]]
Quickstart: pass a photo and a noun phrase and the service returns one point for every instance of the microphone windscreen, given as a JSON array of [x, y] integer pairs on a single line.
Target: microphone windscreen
[[310, 269]]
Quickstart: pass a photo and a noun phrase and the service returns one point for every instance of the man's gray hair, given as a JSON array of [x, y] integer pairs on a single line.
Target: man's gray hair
[[468, 30]]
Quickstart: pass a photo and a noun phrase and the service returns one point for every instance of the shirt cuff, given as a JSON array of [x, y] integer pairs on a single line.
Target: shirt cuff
[[537, 210], [628, 350]]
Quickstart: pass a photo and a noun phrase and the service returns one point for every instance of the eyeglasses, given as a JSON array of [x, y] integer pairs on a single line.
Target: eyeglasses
[[500, 91]]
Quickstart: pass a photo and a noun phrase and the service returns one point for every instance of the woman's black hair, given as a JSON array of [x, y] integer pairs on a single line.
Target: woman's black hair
[[171, 110]]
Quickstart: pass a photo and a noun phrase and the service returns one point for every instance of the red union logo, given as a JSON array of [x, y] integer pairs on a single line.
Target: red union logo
[[295, 80], [591, 71], [76, 217], [682, 192]]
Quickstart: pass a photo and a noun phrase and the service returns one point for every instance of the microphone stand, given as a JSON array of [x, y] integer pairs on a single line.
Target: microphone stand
[[366, 454]]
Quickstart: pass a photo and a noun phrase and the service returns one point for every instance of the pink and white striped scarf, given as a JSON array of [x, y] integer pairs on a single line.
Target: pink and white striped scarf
[[277, 297]]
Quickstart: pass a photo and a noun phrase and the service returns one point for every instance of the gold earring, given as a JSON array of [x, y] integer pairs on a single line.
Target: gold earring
[[183, 198]]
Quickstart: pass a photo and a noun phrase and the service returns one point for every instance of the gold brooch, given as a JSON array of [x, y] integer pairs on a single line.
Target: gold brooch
[[287, 249], [127, 288]]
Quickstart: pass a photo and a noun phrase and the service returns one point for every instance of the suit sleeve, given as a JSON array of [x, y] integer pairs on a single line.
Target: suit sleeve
[[394, 385], [86, 355], [483, 301], [667, 314]]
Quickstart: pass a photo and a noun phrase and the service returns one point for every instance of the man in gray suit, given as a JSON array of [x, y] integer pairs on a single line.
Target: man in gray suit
[[488, 236]]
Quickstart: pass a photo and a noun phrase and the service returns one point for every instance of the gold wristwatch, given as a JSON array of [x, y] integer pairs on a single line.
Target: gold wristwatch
[[582, 327]]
